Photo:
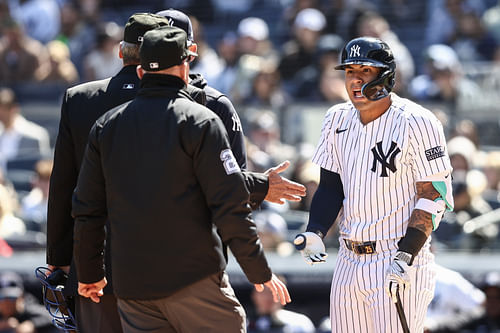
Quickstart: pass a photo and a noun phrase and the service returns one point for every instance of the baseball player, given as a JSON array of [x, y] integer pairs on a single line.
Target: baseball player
[[383, 160]]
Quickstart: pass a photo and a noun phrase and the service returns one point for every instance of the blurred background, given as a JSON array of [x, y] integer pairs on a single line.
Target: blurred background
[[274, 59]]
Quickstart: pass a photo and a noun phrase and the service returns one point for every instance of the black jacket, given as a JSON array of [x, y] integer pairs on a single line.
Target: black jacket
[[216, 101], [81, 107], [161, 171]]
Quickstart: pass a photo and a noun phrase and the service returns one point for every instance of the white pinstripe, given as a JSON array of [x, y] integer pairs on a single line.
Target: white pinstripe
[[377, 208]]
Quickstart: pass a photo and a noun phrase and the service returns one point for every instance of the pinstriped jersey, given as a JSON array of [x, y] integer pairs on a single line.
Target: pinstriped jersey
[[379, 164]]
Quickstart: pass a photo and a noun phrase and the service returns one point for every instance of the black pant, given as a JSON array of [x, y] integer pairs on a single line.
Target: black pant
[[99, 317]]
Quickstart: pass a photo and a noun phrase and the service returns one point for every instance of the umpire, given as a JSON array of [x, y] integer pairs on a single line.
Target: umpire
[[82, 106], [161, 171]]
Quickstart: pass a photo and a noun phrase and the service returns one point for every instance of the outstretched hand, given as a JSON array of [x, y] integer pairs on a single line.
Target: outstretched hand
[[278, 288], [281, 188]]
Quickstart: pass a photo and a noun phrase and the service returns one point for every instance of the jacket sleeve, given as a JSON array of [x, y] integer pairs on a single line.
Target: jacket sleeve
[[62, 182], [90, 213], [227, 198], [223, 107], [258, 185]]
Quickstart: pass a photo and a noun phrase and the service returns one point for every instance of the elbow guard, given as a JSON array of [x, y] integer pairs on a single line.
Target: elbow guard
[[435, 208], [442, 184]]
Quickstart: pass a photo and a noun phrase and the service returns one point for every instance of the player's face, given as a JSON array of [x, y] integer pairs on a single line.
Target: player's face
[[355, 77]]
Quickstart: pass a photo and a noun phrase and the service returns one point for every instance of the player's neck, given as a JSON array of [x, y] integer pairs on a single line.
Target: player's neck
[[375, 110]]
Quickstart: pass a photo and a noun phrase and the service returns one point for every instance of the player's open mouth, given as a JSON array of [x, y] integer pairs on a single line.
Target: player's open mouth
[[357, 93]]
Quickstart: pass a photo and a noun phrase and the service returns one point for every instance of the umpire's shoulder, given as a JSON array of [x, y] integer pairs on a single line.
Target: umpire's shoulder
[[88, 89]]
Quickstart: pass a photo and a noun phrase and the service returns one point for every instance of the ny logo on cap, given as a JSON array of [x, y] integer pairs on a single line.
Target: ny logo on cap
[[154, 65], [170, 22], [354, 51]]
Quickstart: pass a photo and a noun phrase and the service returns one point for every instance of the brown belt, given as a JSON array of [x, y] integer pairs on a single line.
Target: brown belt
[[361, 247]]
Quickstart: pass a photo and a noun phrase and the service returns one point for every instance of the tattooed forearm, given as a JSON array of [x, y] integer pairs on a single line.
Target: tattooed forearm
[[420, 219]]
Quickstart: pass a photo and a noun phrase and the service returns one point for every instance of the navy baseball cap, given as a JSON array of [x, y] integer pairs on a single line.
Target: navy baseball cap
[[164, 47], [178, 19], [11, 285], [139, 23]]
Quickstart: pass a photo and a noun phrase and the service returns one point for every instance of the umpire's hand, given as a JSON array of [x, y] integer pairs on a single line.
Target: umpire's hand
[[311, 247], [278, 288], [92, 290], [280, 188]]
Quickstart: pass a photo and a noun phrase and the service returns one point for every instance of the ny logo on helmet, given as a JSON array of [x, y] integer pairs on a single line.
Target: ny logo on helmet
[[354, 51]]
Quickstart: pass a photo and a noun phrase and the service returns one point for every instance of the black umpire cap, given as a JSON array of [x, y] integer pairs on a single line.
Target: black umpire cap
[[164, 47], [139, 23], [178, 19]]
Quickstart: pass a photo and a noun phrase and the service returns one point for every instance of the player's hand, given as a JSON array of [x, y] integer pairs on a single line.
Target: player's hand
[[92, 290], [311, 247], [398, 274], [280, 188], [278, 288]]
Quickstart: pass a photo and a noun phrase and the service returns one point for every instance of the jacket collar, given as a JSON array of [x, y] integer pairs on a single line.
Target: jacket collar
[[163, 85]]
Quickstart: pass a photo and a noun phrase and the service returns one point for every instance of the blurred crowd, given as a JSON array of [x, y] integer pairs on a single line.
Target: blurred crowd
[[267, 55]]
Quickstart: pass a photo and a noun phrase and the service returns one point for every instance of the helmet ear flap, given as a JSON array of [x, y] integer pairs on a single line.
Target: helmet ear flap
[[380, 87]]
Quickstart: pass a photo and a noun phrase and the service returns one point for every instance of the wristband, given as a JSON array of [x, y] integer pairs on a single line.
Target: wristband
[[412, 242]]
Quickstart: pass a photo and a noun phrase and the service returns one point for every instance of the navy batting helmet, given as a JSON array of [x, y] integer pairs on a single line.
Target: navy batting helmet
[[373, 52], [60, 307]]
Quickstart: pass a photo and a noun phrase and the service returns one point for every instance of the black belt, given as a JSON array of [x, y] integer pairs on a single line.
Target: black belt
[[361, 247]]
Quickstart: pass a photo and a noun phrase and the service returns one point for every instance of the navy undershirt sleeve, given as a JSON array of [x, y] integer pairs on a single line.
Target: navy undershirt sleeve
[[326, 202]]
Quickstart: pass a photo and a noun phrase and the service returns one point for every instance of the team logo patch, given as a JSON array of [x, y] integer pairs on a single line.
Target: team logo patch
[[433, 153], [153, 65], [387, 160], [229, 162], [128, 86]]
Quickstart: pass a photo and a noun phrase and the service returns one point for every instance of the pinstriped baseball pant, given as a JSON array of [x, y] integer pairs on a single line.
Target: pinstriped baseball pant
[[358, 301]]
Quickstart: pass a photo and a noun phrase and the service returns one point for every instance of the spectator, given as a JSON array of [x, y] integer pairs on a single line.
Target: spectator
[[471, 40], [76, 33], [22, 58], [208, 62], [300, 52], [444, 80], [255, 50], [19, 137], [34, 205], [490, 322], [491, 20], [10, 225], [63, 71], [266, 88], [41, 19], [491, 170], [20, 311], [271, 228], [456, 302], [227, 48], [102, 62], [265, 146], [308, 174], [272, 318]]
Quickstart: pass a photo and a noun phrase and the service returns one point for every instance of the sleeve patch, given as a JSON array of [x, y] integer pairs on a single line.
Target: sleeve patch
[[433, 153], [229, 162]]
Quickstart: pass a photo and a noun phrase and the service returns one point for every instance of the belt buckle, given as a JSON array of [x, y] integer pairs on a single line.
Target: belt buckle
[[368, 249], [355, 247]]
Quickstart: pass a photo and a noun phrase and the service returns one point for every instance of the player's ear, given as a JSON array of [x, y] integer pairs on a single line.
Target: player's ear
[[193, 47], [120, 53], [139, 71]]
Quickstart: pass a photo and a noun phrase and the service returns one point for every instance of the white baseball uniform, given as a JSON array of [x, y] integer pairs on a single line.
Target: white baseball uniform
[[379, 164]]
